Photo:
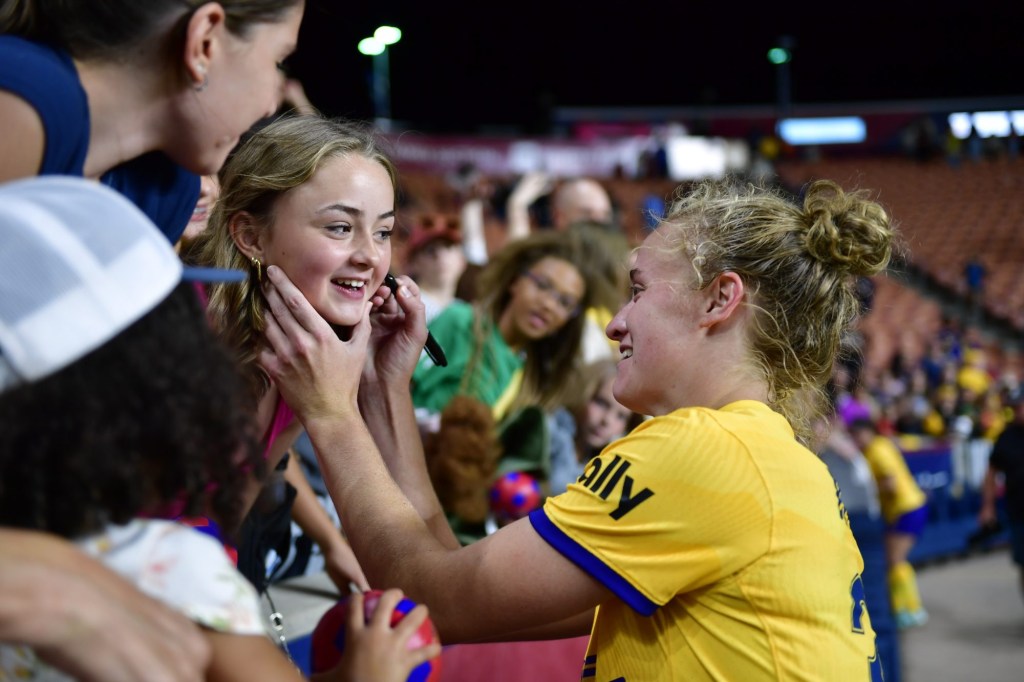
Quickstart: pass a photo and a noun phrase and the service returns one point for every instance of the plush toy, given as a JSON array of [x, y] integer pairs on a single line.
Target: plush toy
[[462, 457]]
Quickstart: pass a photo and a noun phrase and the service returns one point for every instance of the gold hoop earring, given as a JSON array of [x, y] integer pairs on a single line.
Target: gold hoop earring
[[259, 269]]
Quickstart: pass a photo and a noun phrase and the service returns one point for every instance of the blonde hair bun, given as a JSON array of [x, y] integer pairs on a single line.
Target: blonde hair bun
[[846, 229]]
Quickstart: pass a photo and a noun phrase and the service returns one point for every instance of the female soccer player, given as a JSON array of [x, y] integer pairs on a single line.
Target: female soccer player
[[710, 542]]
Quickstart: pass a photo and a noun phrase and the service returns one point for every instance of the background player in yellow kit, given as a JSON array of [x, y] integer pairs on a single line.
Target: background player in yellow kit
[[905, 509], [709, 543]]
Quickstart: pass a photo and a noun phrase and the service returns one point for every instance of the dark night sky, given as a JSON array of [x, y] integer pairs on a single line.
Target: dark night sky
[[458, 68]]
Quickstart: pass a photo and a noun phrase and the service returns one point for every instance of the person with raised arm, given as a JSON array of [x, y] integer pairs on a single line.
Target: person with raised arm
[[709, 543]]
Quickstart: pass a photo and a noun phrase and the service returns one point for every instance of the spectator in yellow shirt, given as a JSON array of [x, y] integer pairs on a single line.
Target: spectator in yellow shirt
[[904, 507]]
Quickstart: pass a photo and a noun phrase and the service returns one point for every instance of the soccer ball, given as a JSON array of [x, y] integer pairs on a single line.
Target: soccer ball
[[514, 495], [327, 643]]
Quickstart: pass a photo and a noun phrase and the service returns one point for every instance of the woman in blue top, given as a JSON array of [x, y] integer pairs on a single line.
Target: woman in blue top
[[144, 96]]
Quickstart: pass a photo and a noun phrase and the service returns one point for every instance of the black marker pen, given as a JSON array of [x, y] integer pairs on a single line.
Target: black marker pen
[[433, 348]]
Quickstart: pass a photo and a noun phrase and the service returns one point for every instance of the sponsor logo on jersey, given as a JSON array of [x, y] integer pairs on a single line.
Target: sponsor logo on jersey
[[842, 507], [605, 478]]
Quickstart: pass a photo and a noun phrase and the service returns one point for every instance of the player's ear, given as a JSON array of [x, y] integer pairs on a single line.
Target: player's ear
[[722, 298]]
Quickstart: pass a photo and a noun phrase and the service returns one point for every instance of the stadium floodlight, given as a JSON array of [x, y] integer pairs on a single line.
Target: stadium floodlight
[[779, 55], [371, 46], [389, 35], [377, 47]]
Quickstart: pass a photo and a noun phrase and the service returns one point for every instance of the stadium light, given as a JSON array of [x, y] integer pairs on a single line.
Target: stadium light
[[377, 47], [779, 55], [389, 35], [371, 47]]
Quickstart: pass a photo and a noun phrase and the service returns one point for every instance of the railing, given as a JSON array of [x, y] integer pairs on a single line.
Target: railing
[[951, 474]]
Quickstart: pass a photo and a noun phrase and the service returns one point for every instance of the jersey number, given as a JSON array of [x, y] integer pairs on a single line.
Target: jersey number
[[857, 618]]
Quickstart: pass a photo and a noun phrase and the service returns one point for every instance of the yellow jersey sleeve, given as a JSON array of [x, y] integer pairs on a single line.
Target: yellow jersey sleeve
[[728, 548], [673, 506]]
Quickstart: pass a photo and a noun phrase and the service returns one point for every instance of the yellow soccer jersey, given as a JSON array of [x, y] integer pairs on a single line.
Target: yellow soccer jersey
[[887, 462], [728, 548]]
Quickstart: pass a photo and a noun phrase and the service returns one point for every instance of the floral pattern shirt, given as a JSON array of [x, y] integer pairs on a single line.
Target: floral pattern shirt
[[171, 562]]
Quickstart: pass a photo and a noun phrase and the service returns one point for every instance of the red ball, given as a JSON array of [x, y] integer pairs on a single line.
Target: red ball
[[514, 495], [328, 640]]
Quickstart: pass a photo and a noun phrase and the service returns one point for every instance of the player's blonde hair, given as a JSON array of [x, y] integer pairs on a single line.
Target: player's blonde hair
[[798, 264]]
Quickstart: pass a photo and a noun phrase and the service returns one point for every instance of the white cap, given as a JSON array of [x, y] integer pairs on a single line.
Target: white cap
[[79, 263]]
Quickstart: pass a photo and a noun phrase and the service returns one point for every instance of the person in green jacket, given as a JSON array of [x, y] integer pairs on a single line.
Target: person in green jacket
[[511, 354], [518, 344]]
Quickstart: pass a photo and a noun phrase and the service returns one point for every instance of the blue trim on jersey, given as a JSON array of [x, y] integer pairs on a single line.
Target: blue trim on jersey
[[589, 668], [575, 553]]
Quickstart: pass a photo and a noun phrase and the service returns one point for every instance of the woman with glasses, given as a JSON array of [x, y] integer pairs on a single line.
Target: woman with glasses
[[511, 354], [518, 343]]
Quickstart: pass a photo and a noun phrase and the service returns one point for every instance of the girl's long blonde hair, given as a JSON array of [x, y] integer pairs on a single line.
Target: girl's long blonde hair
[[274, 160]]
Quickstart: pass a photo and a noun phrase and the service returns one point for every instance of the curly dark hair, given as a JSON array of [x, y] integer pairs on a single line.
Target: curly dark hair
[[157, 417]]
